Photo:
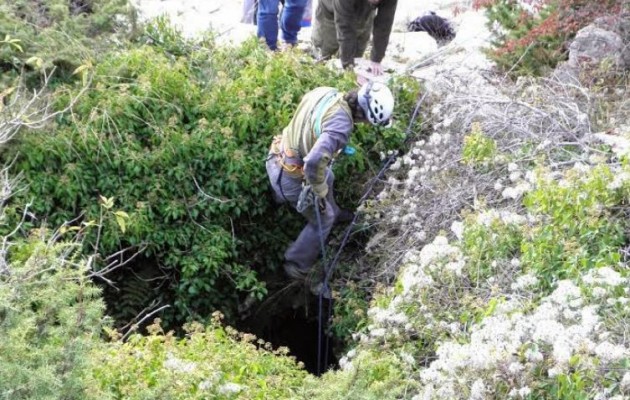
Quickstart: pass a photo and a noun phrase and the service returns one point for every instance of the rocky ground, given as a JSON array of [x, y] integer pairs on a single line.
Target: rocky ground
[[406, 49]]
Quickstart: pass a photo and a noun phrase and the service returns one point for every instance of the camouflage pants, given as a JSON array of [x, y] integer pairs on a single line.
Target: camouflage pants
[[324, 35]]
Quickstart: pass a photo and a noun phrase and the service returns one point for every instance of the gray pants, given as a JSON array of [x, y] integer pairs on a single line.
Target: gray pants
[[303, 252]]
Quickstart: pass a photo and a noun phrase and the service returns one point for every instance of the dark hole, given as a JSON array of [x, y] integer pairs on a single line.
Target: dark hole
[[288, 317], [292, 321]]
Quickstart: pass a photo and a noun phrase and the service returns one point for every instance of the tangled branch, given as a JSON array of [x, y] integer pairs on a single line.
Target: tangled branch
[[21, 108]]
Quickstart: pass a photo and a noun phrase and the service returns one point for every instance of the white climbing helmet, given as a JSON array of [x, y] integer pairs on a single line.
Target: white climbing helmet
[[377, 103]]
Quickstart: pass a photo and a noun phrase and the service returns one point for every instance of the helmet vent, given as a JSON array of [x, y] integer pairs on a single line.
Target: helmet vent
[[377, 103]]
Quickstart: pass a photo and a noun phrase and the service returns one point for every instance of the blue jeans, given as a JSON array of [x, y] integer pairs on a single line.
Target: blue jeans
[[290, 21]]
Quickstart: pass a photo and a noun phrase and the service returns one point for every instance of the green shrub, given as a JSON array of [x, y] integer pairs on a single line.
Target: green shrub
[[577, 229], [478, 148], [487, 245], [59, 34], [211, 362], [350, 311], [50, 320], [179, 143], [372, 375]]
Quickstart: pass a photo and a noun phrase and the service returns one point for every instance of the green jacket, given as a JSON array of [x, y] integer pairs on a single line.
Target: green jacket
[[320, 127], [350, 15]]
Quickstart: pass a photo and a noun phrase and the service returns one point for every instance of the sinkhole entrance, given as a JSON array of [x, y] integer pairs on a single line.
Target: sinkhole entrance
[[291, 320], [288, 317]]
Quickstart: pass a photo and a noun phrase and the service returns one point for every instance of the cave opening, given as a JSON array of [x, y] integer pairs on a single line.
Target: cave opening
[[287, 317], [290, 318]]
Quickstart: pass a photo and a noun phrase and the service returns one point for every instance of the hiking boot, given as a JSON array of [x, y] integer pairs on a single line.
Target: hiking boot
[[294, 272], [344, 216]]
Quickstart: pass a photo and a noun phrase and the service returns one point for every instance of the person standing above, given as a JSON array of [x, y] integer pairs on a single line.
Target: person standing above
[[300, 160], [290, 21], [346, 25]]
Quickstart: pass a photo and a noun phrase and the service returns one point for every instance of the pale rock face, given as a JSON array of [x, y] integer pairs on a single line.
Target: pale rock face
[[606, 38], [593, 45], [620, 24], [193, 17]]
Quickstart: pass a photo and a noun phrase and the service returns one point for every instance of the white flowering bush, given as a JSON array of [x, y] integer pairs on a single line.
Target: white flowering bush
[[509, 250], [426, 302], [516, 306], [562, 348]]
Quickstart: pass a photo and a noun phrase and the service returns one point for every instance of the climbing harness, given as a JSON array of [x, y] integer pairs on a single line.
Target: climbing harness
[[289, 162], [288, 159], [330, 267]]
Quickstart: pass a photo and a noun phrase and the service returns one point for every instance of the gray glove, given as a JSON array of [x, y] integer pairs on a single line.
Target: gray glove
[[320, 189], [308, 198]]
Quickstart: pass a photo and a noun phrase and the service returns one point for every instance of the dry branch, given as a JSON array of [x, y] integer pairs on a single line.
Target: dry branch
[[22, 108]]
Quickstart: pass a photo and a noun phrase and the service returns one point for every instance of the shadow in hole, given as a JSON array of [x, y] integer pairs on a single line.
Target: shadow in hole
[[289, 318]]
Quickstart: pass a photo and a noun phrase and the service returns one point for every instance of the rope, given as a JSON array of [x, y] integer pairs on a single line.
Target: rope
[[331, 266], [319, 317]]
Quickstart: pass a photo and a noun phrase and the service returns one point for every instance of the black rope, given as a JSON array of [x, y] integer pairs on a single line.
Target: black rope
[[327, 348], [329, 269], [321, 290]]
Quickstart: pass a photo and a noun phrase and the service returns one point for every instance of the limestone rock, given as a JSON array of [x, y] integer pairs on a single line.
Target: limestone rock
[[620, 24], [607, 38], [593, 45]]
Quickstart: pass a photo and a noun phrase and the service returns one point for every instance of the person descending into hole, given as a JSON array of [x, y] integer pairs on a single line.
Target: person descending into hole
[[346, 25], [299, 162]]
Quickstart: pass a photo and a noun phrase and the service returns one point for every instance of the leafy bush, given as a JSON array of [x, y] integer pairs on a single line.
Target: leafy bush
[[211, 362], [478, 148], [59, 34], [349, 315], [533, 35], [490, 240], [50, 319], [577, 228], [179, 144], [382, 376]]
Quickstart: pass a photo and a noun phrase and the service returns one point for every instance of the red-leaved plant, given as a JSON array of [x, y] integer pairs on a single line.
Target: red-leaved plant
[[536, 32]]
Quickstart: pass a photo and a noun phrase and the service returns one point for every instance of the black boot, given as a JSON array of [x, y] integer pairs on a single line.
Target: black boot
[[294, 272], [319, 288]]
